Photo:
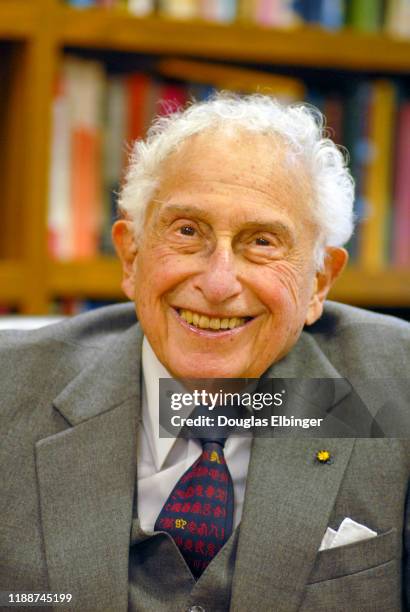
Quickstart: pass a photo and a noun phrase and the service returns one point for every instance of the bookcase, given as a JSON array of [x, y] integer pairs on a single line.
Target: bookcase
[[33, 37]]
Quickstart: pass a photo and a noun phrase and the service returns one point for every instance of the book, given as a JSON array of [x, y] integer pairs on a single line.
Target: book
[[59, 204], [365, 15], [222, 11], [378, 180], [332, 14], [356, 140], [106, 3], [401, 207], [267, 12], [114, 154], [308, 10], [179, 9], [86, 175], [81, 3], [397, 18], [333, 107], [245, 11], [171, 98], [141, 8], [138, 113], [75, 188]]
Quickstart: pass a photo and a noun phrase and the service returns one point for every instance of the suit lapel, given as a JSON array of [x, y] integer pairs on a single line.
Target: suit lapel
[[288, 502], [86, 478], [289, 499]]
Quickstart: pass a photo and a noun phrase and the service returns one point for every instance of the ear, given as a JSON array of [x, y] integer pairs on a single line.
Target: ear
[[335, 261], [123, 237]]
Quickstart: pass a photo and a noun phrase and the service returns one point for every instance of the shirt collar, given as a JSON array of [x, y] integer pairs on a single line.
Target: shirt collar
[[152, 371]]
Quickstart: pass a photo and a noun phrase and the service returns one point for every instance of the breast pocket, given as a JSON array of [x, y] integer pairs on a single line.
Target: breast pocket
[[363, 576], [355, 557]]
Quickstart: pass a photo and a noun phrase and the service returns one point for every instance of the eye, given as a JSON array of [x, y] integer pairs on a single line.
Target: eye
[[262, 242], [187, 230]]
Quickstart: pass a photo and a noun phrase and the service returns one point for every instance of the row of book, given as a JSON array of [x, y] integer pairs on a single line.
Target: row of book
[[391, 16], [373, 122], [97, 116]]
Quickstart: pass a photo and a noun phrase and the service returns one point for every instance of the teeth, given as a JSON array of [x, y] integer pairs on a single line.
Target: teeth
[[188, 316], [204, 322], [213, 323]]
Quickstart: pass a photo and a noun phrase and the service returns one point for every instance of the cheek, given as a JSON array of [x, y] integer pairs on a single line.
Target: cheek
[[285, 294], [278, 288], [292, 281], [158, 272]]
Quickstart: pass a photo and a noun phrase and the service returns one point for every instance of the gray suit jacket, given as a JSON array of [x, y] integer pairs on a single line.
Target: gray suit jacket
[[69, 413]]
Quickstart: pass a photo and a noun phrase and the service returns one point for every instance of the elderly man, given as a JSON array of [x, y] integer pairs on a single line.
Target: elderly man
[[234, 213]]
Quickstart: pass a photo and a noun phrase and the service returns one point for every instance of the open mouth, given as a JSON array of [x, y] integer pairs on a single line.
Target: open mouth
[[212, 324]]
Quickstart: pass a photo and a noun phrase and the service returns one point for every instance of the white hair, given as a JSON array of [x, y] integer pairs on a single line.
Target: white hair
[[302, 126]]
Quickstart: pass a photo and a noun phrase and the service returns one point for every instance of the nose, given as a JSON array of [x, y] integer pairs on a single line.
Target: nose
[[219, 282]]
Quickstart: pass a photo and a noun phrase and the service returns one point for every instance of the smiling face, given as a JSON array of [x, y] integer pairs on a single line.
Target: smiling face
[[223, 278]]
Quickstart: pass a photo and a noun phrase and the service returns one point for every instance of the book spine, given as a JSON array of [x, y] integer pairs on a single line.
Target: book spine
[[226, 11], [138, 86], [179, 9], [171, 98], [401, 212], [220, 11], [81, 3], [59, 204], [141, 8], [332, 14], [366, 15], [86, 170], [314, 11], [267, 12], [106, 3], [378, 181], [301, 9], [356, 140], [397, 18], [333, 111], [114, 154]]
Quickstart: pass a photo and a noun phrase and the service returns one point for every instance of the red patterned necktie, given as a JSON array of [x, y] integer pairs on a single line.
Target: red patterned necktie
[[199, 511]]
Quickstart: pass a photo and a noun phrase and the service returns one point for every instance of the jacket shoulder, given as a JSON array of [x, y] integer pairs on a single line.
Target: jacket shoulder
[[36, 364], [361, 342], [92, 329]]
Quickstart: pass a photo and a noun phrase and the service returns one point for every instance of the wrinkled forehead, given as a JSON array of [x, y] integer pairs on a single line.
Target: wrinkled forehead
[[238, 157]]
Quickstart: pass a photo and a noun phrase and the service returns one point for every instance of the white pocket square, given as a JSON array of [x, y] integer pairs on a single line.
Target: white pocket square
[[348, 532]]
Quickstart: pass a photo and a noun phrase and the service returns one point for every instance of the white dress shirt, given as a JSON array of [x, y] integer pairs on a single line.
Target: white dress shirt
[[162, 461]]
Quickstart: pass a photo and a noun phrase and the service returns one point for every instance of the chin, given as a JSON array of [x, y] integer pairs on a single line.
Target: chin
[[195, 368]]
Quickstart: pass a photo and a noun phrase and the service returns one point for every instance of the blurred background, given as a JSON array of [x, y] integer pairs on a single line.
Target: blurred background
[[80, 80]]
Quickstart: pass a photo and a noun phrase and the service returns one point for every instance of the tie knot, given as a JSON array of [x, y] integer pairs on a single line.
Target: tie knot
[[213, 440]]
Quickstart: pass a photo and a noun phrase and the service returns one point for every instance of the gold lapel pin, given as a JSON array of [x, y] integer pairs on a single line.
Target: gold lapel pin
[[324, 456]]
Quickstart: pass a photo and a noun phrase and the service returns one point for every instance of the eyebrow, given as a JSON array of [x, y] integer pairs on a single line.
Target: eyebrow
[[274, 227], [182, 209]]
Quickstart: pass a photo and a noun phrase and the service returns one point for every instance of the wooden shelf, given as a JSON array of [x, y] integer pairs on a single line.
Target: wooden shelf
[[11, 282], [388, 287], [100, 278], [303, 46], [18, 18]]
